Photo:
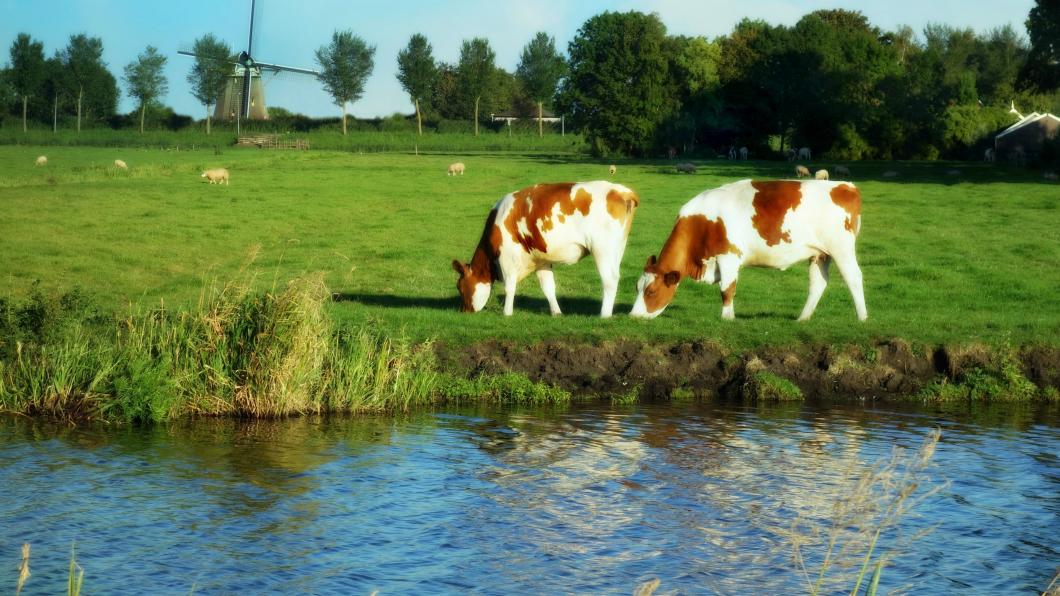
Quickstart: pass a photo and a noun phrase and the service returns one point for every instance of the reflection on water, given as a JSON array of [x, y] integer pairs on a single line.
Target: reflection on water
[[583, 498]]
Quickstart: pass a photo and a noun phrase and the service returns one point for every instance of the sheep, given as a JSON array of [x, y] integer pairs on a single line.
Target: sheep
[[821, 175], [42, 160], [841, 170], [121, 165], [804, 153], [216, 176], [611, 169], [1051, 176], [743, 153], [802, 171], [890, 174], [685, 168], [455, 168]]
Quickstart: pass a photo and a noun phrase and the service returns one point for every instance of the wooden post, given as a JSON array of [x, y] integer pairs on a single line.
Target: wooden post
[[540, 124], [476, 116], [25, 98], [419, 118]]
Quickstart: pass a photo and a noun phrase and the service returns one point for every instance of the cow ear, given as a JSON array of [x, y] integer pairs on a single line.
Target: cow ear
[[671, 278], [459, 267], [651, 263]]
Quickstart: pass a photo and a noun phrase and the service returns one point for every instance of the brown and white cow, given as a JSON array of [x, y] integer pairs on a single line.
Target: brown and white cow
[[765, 224], [532, 229]]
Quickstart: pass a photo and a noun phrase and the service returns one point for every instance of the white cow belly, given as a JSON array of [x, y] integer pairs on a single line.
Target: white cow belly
[[780, 257]]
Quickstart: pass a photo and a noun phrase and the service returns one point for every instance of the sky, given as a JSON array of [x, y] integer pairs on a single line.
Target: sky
[[289, 31]]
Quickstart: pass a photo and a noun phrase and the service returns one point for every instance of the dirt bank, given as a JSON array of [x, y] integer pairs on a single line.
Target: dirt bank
[[889, 368]]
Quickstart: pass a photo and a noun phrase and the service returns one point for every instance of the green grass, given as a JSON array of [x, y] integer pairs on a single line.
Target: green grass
[[944, 260]]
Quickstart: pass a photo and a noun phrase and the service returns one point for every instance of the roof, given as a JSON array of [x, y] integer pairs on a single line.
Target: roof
[[1035, 117]]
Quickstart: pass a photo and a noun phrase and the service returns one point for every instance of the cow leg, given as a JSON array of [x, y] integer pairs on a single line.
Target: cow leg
[[510, 281], [818, 282], [848, 267], [608, 265], [548, 286], [728, 272]]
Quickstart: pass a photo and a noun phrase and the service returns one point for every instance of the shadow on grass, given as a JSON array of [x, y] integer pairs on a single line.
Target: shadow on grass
[[572, 306]]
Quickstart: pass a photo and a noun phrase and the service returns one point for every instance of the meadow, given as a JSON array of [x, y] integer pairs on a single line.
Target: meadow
[[946, 258]]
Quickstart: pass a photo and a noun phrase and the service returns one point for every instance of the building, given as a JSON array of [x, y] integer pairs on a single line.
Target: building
[[1024, 139]]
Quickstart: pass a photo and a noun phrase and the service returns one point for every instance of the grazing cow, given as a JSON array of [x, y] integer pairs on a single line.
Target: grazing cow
[[842, 171], [685, 168], [743, 153], [791, 155], [532, 229], [767, 224], [671, 152], [988, 155], [804, 153], [802, 172], [732, 152], [890, 174]]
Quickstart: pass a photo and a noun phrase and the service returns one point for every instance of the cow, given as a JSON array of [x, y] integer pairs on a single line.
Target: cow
[[532, 229], [804, 153], [766, 224], [743, 153]]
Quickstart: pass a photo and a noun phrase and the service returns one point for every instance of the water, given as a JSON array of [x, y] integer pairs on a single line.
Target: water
[[583, 499]]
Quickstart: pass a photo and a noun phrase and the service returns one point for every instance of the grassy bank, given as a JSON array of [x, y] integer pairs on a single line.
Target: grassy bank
[[355, 141], [240, 353], [947, 259]]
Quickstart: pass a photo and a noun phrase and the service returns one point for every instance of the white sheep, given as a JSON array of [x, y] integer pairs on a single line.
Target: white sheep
[[216, 176], [455, 168], [842, 171], [890, 174], [611, 169], [804, 153], [42, 160], [121, 165], [685, 168], [802, 172], [821, 175]]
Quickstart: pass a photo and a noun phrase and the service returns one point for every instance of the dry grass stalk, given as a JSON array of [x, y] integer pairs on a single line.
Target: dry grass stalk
[[23, 569]]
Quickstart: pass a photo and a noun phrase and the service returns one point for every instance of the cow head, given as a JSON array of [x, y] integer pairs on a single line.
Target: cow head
[[474, 291], [655, 290]]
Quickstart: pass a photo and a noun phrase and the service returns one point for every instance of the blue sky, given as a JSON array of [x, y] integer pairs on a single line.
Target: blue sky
[[288, 31]]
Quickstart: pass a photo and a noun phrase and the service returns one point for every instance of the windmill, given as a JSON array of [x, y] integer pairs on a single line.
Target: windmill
[[244, 95]]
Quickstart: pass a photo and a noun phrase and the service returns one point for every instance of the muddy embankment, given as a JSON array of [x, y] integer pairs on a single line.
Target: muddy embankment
[[887, 368]]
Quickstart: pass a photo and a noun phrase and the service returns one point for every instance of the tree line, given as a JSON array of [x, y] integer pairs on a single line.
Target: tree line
[[832, 81]]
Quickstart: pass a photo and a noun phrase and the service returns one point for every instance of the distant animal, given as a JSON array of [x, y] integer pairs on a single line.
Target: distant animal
[[791, 154], [802, 172], [685, 168], [121, 165], [532, 229], [455, 168], [988, 155], [820, 175], [732, 152], [743, 153], [953, 172], [1050, 176], [42, 160], [216, 176], [841, 170], [804, 153], [671, 152], [766, 224], [890, 174], [612, 169]]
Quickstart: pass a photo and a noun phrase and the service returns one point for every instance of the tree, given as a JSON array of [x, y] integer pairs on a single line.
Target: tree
[[476, 73], [209, 74], [345, 65], [53, 85], [145, 79], [540, 69], [618, 87], [417, 73], [1042, 69], [27, 69], [88, 76]]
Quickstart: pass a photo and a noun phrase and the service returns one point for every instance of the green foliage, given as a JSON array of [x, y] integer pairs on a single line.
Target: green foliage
[[26, 71], [476, 78], [540, 68], [1002, 380], [146, 80], [507, 387], [210, 70], [619, 89], [1042, 69], [767, 386], [345, 65], [87, 78], [417, 70]]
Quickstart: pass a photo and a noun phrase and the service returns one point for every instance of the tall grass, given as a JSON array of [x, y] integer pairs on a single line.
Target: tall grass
[[237, 352]]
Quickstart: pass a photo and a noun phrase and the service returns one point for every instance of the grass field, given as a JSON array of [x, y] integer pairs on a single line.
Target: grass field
[[946, 258]]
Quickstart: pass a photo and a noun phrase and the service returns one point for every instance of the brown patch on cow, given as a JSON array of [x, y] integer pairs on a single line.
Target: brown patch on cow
[[621, 205], [481, 267], [535, 206], [727, 294], [772, 202], [849, 198]]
